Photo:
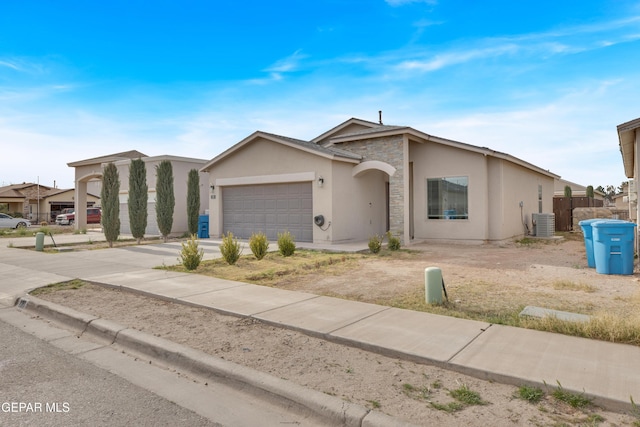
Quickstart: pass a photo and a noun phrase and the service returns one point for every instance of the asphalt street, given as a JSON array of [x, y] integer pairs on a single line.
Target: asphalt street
[[43, 385], [51, 376]]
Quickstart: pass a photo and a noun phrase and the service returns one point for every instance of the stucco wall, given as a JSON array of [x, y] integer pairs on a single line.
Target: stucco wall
[[359, 207], [432, 160], [389, 150], [181, 168], [264, 162], [496, 188], [342, 199], [519, 184]]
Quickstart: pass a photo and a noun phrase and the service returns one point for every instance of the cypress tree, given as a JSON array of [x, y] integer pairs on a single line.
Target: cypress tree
[[165, 198], [110, 203], [590, 194], [567, 191], [138, 197], [193, 201]]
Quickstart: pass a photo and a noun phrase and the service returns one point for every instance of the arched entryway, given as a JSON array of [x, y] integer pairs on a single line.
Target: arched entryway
[[90, 170], [375, 175]]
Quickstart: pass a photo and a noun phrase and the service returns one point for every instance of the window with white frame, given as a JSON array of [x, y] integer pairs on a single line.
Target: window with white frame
[[448, 198]]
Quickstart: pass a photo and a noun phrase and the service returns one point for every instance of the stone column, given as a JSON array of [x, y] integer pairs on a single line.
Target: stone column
[[80, 205]]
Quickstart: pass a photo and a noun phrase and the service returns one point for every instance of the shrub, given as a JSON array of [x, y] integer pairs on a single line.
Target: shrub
[[190, 256], [230, 248], [44, 229], [259, 245], [286, 244], [394, 242], [375, 244], [530, 394]]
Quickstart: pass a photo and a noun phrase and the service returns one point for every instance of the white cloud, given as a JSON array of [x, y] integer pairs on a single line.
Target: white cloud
[[452, 58], [396, 3], [561, 41], [9, 64], [573, 136], [286, 65]]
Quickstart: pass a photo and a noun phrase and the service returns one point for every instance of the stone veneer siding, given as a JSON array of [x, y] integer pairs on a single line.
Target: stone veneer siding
[[388, 150]]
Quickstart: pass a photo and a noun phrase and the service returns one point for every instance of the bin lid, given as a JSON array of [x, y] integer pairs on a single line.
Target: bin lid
[[613, 223], [590, 221]]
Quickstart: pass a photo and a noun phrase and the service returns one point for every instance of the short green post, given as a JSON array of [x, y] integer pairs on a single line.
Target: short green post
[[39, 241], [433, 285]]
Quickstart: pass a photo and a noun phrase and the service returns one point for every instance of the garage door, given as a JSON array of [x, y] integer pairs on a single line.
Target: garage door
[[270, 208]]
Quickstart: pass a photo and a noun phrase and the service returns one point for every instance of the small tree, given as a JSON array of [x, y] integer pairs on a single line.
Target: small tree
[[191, 255], [230, 248], [375, 243], [590, 194], [165, 198], [193, 201], [110, 203], [138, 197], [590, 191], [393, 242], [286, 244], [567, 191], [259, 245]]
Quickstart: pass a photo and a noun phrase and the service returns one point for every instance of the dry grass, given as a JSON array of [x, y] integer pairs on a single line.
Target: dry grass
[[274, 268], [480, 300], [602, 326], [568, 285]]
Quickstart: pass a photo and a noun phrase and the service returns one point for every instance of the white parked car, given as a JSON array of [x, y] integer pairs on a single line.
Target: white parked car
[[7, 221]]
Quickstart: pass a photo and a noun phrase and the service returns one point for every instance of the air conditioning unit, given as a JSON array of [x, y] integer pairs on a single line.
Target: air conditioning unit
[[545, 224]]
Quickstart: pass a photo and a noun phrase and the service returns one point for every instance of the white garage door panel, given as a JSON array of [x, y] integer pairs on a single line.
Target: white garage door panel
[[270, 208]]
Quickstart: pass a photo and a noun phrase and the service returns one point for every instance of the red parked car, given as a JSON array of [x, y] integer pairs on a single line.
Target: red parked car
[[68, 216]]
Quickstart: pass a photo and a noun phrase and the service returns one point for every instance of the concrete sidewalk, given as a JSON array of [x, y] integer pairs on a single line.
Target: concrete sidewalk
[[604, 371]]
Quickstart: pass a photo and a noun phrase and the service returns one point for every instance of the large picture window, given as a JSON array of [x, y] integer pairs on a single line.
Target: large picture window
[[448, 198]]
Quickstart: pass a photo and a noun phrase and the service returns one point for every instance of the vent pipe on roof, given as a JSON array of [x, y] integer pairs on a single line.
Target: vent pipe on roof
[[380, 116]]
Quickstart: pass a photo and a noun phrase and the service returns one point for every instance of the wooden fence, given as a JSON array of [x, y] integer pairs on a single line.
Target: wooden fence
[[563, 209]]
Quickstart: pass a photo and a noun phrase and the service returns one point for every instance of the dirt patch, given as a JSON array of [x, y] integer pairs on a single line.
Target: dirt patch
[[402, 389]]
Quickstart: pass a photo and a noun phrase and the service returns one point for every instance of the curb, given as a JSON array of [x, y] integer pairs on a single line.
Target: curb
[[332, 409]]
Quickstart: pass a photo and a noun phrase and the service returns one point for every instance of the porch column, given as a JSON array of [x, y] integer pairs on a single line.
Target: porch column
[[80, 205]]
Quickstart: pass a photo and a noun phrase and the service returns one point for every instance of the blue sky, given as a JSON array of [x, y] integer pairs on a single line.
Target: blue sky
[[545, 81]]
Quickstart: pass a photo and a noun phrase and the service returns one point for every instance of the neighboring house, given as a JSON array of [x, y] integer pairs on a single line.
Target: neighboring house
[[90, 170], [626, 200], [563, 207], [181, 167], [38, 202], [577, 190], [629, 139], [363, 178]]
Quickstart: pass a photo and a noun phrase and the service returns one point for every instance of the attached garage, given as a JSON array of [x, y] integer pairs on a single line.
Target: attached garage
[[269, 208]]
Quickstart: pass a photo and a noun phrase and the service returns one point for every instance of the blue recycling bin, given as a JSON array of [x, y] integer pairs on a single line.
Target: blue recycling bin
[[203, 227], [587, 231], [613, 246]]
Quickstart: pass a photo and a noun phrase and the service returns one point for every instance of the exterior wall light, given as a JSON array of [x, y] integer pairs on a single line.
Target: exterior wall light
[[320, 181]]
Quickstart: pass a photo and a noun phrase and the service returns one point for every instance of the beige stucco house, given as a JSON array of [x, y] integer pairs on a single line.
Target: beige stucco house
[[577, 190], [180, 167], [88, 172], [362, 178]]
